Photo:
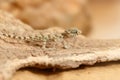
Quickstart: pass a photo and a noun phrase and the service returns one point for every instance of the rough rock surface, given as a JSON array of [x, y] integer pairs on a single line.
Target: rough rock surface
[[78, 51]]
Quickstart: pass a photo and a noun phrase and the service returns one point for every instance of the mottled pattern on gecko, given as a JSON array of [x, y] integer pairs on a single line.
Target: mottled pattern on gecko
[[37, 36]]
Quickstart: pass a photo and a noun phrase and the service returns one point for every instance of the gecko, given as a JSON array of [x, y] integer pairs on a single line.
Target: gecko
[[38, 36]]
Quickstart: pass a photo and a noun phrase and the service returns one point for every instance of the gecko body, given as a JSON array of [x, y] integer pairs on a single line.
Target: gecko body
[[37, 36]]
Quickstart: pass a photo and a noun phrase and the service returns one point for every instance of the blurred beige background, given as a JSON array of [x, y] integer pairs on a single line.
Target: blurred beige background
[[42, 14], [105, 15]]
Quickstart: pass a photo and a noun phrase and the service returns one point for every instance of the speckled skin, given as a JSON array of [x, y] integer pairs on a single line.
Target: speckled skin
[[40, 36]]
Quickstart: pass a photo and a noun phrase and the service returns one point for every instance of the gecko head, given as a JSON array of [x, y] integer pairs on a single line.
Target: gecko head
[[72, 32]]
